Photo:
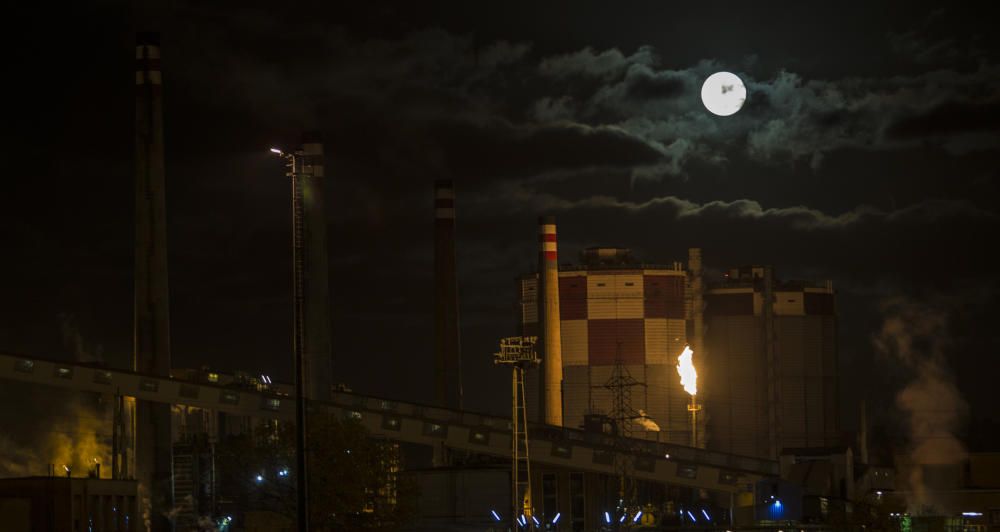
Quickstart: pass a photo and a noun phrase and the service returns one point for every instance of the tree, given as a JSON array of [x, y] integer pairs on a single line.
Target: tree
[[353, 479]]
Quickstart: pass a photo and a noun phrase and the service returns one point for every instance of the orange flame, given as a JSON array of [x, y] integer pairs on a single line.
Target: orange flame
[[685, 368]]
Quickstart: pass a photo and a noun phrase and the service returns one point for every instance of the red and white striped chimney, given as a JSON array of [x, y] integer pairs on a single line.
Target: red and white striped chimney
[[551, 341]]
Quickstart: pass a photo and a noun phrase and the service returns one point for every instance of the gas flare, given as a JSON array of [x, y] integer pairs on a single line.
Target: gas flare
[[685, 368]]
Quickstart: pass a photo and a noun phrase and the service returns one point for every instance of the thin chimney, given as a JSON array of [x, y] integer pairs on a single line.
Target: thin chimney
[[317, 352], [447, 354], [151, 354], [551, 341]]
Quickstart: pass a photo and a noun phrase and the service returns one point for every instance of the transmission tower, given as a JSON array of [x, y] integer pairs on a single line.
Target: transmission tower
[[518, 352], [622, 414]]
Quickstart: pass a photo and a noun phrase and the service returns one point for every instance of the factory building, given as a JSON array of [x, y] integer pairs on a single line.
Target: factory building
[[765, 350], [769, 369], [612, 307], [56, 504]]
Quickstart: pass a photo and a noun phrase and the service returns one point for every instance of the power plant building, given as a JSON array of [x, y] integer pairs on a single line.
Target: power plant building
[[769, 370], [612, 307], [765, 351]]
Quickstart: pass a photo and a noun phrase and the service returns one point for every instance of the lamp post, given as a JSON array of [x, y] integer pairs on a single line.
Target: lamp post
[[298, 339]]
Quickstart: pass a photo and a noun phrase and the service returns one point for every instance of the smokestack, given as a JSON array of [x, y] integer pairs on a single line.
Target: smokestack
[[151, 354], [317, 351], [548, 281], [447, 357]]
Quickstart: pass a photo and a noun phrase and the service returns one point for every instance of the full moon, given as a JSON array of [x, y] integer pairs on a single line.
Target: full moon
[[723, 93]]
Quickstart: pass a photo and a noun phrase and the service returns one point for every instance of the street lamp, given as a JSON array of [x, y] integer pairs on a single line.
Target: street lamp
[[298, 339]]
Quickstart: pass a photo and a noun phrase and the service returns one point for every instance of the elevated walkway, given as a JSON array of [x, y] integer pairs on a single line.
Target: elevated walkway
[[409, 422]]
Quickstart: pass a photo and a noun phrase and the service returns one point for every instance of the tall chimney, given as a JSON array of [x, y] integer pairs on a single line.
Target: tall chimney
[[151, 353], [548, 280], [317, 351], [447, 357]]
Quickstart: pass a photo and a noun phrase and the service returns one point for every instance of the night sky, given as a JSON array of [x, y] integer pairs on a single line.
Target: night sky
[[867, 154]]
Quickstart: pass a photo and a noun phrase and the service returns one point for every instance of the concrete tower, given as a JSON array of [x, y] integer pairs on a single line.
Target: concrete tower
[[151, 354], [447, 355], [318, 357], [551, 341]]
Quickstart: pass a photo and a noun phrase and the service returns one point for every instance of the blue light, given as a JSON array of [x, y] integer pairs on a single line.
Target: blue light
[[556, 518], [495, 515], [705, 513], [691, 515], [637, 516], [776, 509], [535, 519], [607, 518], [259, 478], [622, 520]]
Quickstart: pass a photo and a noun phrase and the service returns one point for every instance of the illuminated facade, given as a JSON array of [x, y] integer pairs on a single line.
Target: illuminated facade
[[614, 307]]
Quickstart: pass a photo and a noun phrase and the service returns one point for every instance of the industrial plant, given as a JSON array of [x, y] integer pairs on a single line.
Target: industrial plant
[[638, 394]]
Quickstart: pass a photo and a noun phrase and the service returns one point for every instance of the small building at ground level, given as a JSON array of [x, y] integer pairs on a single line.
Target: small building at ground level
[[60, 504]]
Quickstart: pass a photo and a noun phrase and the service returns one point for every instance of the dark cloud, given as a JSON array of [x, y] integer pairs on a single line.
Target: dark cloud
[[948, 118], [606, 65], [646, 87], [856, 158]]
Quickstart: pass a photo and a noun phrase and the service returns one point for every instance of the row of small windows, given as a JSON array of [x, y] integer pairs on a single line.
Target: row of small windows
[[188, 391]]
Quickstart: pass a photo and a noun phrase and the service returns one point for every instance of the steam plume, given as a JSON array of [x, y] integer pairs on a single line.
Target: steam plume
[[916, 335]]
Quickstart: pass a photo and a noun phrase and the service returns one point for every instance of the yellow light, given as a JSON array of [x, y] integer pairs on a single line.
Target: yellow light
[[685, 368]]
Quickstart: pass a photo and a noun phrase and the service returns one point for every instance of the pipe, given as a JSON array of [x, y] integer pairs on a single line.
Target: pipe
[[447, 353], [773, 371], [863, 433], [298, 348], [698, 330], [548, 280]]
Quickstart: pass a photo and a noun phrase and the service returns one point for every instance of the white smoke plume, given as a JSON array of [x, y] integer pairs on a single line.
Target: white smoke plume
[[916, 336]]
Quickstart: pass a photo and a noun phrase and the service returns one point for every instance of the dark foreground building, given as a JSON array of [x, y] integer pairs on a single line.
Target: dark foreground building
[[60, 504]]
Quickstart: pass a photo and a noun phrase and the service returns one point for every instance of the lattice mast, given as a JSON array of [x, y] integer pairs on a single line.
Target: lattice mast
[[518, 352], [622, 413]]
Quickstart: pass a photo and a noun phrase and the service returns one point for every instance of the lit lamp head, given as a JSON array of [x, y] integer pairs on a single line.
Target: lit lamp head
[[284, 155]]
